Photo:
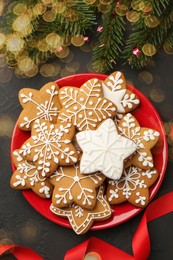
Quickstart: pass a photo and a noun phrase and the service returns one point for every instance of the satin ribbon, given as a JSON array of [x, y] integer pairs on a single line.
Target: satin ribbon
[[140, 241], [20, 252]]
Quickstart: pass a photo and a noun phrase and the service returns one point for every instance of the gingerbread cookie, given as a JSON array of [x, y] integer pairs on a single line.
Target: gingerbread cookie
[[49, 146], [145, 138], [85, 107], [72, 186], [132, 187], [114, 89], [27, 176], [104, 150], [42, 104], [82, 219]]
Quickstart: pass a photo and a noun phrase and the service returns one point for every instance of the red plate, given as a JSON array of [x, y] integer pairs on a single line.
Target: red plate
[[146, 115]]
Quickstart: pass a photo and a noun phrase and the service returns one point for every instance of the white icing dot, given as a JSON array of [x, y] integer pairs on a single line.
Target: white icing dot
[[81, 99], [80, 116], [75, 107], [91, 102], [76, 178], [90, 113]]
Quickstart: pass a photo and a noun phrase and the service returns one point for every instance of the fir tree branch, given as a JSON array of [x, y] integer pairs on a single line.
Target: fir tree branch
[[143, 34], [107, 50]]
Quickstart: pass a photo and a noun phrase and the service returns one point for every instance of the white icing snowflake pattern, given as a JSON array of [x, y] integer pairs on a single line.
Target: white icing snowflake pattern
[[131, 129], [27, 174], [48, 145], [72, 186], [133, 186], [85, 107], [46, 110], [104, 150], [129, 181], [81, 219]]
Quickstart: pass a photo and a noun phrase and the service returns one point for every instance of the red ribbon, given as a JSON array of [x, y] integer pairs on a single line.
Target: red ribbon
[[140, 241], [20, 252]]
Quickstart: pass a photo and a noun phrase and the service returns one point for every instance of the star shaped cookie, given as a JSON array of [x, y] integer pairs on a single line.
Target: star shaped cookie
[[72, 186], [49, 146], [85, 107], [39, 104], [114, 89], [104, 150], [133, 186], [82, 219], [145, 138], [27, 176]]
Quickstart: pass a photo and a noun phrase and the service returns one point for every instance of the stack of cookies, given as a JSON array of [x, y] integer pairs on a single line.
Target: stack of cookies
[[86, 150]]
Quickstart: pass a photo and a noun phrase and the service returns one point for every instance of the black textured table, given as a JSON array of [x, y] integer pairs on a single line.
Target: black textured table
[[22, 225]]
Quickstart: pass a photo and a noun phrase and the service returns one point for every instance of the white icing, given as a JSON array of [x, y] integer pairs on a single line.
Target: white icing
[[131, 180], [91, 96], [104, 150], [28, 173], [80, 218], [113, 91], [115, 82], [149, 173], [76, 186], [115, 97], [46, 110], [141, 199], [133, 132], [47, 146]]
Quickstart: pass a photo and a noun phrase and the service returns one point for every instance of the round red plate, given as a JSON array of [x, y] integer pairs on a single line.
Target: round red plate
[[146, 115]]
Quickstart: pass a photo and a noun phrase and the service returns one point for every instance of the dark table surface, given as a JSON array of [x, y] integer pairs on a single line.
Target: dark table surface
[[22, 225]]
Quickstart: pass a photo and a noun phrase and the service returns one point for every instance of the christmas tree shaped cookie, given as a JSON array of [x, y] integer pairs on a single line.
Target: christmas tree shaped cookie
[[115, 89]]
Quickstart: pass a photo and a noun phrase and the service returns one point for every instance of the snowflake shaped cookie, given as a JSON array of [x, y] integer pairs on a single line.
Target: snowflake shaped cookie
[[27, 176], [82, 219], [104, 150], [49, 146], [132, 186], [85, 107], [42, 104], [114, 89], [145, 138], [72, 186]]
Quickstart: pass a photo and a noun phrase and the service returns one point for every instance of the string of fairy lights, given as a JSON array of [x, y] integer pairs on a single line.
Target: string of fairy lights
[[27, 54]]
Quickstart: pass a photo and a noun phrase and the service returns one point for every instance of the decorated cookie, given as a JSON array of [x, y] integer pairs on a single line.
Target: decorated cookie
[[114, 89], [27, 176], [49, 146], [72, 186], [42, 104], [145, 138], [85, 107], [104, 150], [132, 187], [82, 219]]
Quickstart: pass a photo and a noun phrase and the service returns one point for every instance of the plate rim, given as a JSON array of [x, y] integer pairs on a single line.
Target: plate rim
[[105, 224]]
